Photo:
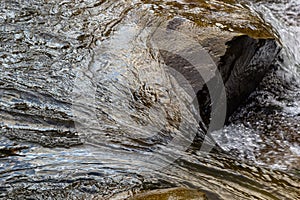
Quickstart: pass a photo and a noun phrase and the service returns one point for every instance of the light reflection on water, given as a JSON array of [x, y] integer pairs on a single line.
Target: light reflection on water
[[270, 135], [66, 40]]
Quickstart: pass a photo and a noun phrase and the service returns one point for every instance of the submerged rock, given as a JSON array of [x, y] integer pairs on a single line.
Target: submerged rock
[[136, 107], [11, 150], [172, 193], [37, 80], [242, 46]]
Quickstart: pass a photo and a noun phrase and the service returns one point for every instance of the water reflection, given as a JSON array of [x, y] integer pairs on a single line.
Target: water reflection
[[46, 44], [269, 122]]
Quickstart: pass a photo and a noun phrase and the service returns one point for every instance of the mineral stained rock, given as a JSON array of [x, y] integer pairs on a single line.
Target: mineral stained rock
[[172, 193]]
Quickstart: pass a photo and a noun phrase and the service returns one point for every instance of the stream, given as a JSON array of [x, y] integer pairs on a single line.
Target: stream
[[88, 112]]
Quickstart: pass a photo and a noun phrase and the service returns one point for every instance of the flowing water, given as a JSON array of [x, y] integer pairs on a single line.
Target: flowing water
[[269, 122], [80, 101]]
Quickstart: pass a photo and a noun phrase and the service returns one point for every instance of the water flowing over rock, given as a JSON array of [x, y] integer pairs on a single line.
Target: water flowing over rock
[[91, 108], [174, 193]]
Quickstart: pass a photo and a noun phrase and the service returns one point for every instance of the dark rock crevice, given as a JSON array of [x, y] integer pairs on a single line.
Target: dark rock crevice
[[242, 68], [241, 59], [244, 65]]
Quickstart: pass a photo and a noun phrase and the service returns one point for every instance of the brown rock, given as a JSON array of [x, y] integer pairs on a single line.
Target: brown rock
[[172, 193]]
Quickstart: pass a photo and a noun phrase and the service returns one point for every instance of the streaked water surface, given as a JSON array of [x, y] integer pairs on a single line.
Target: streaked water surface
[[47, 46]]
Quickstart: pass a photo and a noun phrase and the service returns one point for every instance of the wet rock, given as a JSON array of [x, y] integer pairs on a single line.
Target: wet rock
[[243, 67], [38, 69], [57, 40], [11, 150], [172, 193], [242, 46]]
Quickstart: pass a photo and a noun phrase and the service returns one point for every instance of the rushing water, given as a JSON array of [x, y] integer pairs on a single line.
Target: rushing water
[[48, 46], [268, 125]]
